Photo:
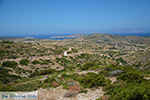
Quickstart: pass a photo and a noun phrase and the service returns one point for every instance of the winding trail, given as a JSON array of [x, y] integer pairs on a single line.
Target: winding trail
[[65, 53]]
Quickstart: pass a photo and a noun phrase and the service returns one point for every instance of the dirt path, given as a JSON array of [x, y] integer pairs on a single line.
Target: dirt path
[[113, 79], [65, 53]]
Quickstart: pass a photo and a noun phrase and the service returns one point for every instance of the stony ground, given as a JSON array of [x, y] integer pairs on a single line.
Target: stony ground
[[58, 94]]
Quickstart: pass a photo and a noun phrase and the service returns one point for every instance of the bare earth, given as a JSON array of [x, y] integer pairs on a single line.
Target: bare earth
[[58, 93]]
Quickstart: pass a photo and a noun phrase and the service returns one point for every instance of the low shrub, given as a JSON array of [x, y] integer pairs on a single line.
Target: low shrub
[[27, 87], [88, 65], [5, 77], [7, 42], [65, 87], [45, 62], [49, 80], [69, 52], [121, 60], [24, 62], [42, 72], [11, 64], [130, 91], [35, 62], [92, 80], [74, 50], [131, 77]]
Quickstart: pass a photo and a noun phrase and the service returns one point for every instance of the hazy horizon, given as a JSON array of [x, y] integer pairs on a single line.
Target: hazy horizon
[[50, 17]]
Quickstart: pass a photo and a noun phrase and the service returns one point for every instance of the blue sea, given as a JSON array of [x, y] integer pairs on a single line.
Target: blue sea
[[122, 34], [47, 36], [132, 34]]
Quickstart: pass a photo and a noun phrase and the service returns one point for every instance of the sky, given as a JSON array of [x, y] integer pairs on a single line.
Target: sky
[[20, 17]]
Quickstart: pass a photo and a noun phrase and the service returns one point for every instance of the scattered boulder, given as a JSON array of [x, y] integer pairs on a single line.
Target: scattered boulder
[[70, 94], [71, 84], [74, 88], [74, 84], [116, 72]]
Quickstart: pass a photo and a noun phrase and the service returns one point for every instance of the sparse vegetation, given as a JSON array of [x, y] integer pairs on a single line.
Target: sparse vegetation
[[42, 72], [92, 80], [93, 62]]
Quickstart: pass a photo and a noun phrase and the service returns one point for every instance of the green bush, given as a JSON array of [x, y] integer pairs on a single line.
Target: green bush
[[58, 51], [65, 87], [42, 72], [112, 48], [11, 64], [5, 77], [121, 60], [24, 62], [104, 72], [7, 42], [129, 91], [133, 93], [74, 50], [131, 77], [48, 71], [45, 62], [92, 80], [5, 88], [95, 67], [111, 67], [126, 68], [69, 52], [27, 87], [71, 76], [88, 65], [49, 80], [65, 48], [35, 62]]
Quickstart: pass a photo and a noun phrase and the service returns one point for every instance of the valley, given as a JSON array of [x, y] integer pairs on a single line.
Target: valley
[[90, 67]]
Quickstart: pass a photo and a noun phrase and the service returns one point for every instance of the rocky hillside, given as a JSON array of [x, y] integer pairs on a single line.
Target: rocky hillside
[[98, 66], [120, 42], [141, 60], [107, 38]]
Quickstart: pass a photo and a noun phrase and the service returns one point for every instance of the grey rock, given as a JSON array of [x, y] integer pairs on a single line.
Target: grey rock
[[116, 72], [71, 84]]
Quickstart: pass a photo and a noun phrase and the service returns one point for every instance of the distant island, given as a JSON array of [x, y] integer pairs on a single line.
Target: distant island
[[70, 36]]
